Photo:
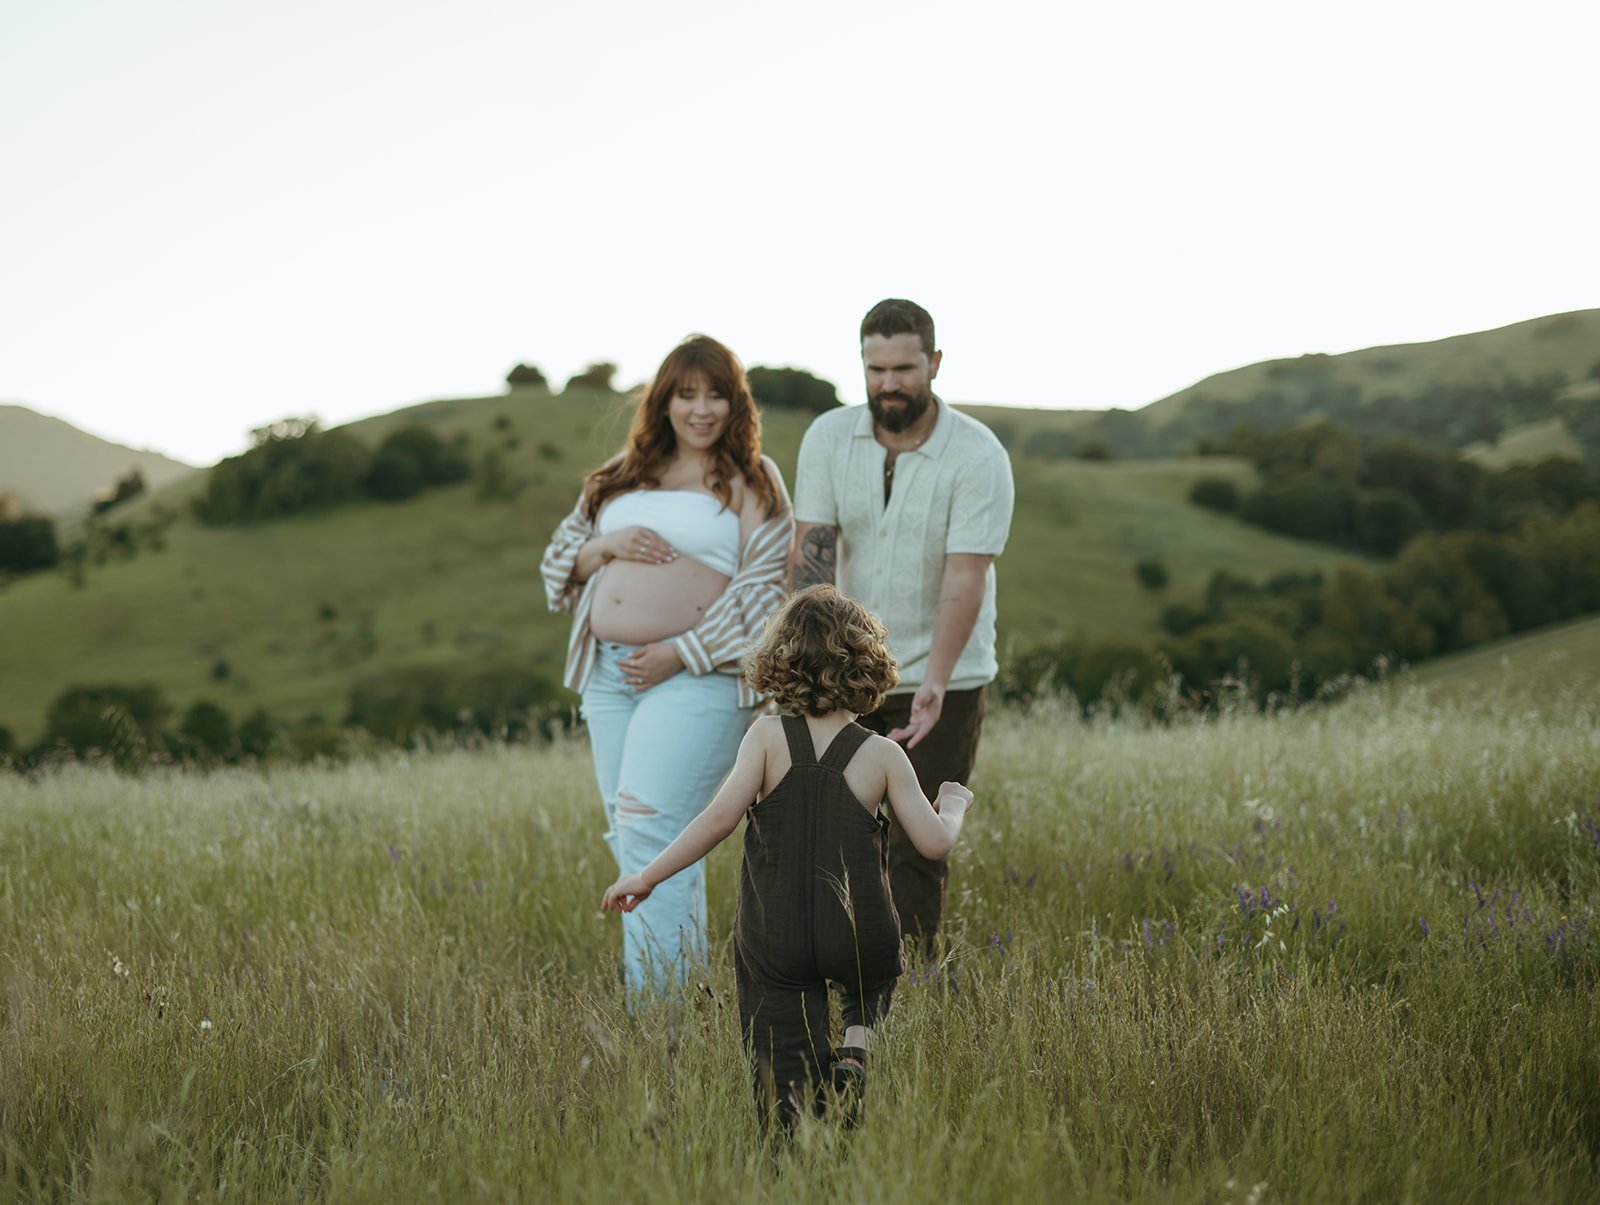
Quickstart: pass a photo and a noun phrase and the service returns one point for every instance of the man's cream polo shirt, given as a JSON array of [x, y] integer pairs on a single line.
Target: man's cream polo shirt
[[953, 494]]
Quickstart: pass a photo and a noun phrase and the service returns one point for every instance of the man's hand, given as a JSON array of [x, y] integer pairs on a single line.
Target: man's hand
[[926, 705], [650, 664]]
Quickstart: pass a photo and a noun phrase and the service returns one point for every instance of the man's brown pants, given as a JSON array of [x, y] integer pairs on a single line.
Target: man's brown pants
[[948, 752]]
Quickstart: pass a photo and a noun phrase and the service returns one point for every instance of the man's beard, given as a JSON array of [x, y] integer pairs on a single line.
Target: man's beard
[[902, 418]]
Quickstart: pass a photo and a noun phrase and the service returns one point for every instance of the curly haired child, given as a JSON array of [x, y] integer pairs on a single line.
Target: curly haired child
[[814, 904]]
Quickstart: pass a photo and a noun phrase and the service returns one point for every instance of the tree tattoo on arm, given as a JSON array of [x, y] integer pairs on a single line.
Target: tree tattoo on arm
[[818, 552]]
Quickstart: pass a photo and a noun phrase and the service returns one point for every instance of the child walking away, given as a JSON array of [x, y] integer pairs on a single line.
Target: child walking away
[[814, 904]]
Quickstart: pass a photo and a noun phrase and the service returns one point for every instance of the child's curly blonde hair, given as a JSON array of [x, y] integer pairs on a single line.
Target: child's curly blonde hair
[[820, 652]]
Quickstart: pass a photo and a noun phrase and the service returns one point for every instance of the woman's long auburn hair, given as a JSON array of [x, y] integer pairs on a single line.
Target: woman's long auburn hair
[[651, 439]]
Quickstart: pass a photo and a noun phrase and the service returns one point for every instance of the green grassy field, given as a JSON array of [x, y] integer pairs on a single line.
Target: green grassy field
[[1341, 954], [450, 577], [1558, 657]]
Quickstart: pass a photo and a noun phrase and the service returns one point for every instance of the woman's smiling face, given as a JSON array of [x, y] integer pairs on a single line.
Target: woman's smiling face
[[698, 413]]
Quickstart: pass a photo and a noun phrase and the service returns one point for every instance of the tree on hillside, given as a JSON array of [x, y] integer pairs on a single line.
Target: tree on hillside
[[28, 544], [207, 730], [1152, 573], [124, 721], [598, 375], [1385, 519], [1215, 493], [293, 466], [412, 459], [792, 389], [125, 489], [527, 376]]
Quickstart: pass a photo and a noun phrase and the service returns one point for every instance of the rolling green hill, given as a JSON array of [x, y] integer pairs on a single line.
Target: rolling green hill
[[1519, 393], [287, 615], [1568, 344]]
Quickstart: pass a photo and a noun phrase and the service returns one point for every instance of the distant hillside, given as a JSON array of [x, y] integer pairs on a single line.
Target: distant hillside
[[51, 466], [1521, 392], [289, 615], [1564, 344]]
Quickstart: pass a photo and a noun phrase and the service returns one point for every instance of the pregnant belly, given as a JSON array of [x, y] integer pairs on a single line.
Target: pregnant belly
[[635, 603]]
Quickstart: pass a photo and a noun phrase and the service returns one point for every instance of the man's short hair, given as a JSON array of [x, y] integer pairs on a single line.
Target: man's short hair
[[897, 316]]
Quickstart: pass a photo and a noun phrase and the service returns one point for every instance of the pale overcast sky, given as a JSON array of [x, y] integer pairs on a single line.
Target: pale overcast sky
[[217, 214]]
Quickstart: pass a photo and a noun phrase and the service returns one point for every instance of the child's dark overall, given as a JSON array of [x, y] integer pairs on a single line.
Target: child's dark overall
[[814, 906]]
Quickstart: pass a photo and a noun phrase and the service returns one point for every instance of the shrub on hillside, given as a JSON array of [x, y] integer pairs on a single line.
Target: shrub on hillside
[[403, 705], [122, 721], [792, 389], [1215, 493], [1119, 672], [1178, 619], [206, 732], [1307, 506], [1385, 519], [125, 489], [598, 375], [28, 544], [1252, 651], [294, 466], [8, 746], [1152, 573], [527, 376], [411, 460], [258, 734]]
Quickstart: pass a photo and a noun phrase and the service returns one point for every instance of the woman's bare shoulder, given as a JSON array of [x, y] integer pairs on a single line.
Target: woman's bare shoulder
[[751, 504]]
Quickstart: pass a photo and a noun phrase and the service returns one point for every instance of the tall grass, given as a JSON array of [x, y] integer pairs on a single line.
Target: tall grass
[[1339, 954]]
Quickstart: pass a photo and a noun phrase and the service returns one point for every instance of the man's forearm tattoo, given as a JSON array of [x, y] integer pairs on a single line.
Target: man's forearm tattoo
[[817, 555]]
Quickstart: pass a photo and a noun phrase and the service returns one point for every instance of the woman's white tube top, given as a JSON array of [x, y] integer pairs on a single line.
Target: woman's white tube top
[[695, 523]]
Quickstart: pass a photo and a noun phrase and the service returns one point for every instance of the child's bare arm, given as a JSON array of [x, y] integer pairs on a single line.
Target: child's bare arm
[[932, 831], [705, 831]]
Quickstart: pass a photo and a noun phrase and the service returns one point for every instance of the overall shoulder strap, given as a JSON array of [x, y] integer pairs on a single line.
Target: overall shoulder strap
[[801, 751], [850, 738]]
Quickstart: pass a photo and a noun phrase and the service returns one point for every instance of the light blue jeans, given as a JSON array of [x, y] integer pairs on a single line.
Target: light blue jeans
[[659, 756]]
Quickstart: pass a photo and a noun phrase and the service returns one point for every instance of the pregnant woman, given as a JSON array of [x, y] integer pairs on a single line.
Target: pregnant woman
[[674, 555]]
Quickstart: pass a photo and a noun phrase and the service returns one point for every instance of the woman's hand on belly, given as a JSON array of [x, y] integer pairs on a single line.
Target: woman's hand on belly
[[650, 664], [639, 544]]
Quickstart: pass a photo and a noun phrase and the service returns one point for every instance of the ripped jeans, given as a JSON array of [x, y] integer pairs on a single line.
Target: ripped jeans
[[659, 756]]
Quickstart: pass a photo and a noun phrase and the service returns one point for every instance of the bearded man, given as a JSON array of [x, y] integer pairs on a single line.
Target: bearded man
[[904, 504]]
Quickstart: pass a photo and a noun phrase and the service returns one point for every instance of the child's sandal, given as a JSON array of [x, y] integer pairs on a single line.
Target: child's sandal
[[847, 1071]]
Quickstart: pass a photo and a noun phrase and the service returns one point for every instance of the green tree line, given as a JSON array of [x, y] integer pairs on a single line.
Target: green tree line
[[1299, 635], [294, 466], [1322, 482], [132, 725]]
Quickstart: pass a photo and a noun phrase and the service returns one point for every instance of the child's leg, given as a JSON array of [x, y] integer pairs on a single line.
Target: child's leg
[[786, 1030], [847, 1068], [861, 1010]]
